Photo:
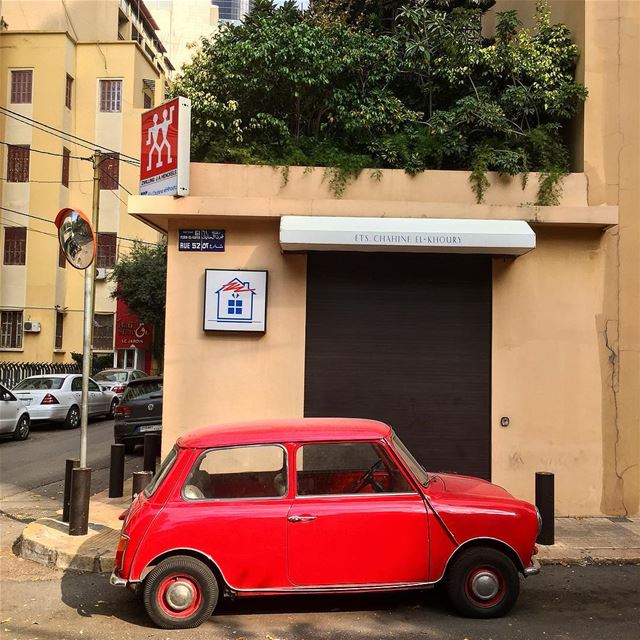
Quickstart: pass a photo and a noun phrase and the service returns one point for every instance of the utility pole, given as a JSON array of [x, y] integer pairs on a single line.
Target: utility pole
[[87, 334]]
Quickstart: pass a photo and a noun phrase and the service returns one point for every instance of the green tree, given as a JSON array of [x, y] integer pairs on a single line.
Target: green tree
[[140, 277]]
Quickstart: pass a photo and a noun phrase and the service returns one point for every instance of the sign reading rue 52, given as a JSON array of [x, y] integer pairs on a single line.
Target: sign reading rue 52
[[201, 240]]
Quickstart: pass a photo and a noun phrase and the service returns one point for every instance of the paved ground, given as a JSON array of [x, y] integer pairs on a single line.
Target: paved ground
[[32, 472]]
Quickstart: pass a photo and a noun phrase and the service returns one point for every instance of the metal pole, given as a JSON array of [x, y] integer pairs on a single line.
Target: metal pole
[[80, 492], [152, 446], [116, 471], [87, 334], [140, 480], [71, 463], [545, 498]]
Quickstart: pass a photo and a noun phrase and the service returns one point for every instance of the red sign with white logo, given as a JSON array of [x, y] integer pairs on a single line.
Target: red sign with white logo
[[164, 157], [130, 332]]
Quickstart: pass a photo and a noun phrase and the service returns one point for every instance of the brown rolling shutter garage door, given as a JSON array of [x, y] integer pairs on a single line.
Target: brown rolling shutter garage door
[[405, 338]]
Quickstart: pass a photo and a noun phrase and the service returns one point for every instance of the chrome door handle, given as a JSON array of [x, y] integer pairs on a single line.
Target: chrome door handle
[[301, 518]]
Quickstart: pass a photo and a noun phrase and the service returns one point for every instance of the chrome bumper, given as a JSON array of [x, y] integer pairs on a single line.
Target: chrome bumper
[[116, 581], [534, 570]]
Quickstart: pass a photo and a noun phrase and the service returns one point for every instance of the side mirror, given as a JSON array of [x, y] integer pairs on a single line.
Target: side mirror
[[7, 397]]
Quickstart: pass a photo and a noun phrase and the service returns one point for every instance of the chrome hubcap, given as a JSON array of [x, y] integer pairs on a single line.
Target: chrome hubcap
[[485, 585], [180, 595]]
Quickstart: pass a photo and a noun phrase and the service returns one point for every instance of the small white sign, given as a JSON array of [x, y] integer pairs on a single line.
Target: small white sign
[[235, 300]]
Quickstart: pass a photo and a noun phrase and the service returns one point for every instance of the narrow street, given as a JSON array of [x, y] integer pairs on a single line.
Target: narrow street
[[32, 472]]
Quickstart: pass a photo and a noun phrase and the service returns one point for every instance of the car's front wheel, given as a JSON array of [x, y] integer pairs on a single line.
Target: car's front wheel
[[22, 428], [112, 408], [180, 593], [482, 583]]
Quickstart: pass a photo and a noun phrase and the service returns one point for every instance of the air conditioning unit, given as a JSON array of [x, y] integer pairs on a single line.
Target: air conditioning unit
[[32, 327], [101, 273]]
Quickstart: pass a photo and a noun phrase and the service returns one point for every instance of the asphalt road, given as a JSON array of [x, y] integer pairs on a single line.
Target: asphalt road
[[32, 471]]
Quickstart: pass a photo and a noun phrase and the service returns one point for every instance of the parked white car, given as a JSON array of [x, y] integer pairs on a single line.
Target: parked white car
[[14, 417], [116, 380], [58, 397]]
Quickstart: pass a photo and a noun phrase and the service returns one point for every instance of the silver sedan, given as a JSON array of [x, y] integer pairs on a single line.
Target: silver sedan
[[58, 398]]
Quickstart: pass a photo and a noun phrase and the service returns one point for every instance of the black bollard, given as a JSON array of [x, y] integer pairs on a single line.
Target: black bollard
[[79, 509], [70, 463], [152, 446], [116, 471], [140, 480], [545, 499]]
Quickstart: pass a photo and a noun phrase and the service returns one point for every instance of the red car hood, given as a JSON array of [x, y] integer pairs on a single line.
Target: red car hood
[[453, 485]]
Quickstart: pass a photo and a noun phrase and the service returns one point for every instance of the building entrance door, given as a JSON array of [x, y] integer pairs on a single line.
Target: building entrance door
[[405, 338]]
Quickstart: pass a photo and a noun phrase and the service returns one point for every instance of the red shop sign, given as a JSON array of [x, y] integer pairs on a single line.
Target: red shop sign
[[130, 332]]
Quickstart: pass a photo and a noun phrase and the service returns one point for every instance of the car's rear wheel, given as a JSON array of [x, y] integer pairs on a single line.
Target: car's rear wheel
[[22, 428], [72, 421], [482, 583], [180, 593]]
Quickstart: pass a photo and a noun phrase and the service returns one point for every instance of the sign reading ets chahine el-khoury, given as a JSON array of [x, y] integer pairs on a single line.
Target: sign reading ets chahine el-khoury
[[164, 156]]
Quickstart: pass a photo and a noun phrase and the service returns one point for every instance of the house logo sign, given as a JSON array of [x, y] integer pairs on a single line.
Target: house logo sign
[[235, 301]]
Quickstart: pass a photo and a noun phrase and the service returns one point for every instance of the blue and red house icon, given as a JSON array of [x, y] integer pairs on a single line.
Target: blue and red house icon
[[235, 301]]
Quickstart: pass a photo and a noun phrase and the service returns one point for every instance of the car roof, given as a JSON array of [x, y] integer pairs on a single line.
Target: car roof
[[119, 369], [52, 375], [291, 430]]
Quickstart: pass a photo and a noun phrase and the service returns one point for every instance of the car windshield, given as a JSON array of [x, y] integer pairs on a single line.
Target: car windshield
[[39, 384], [416, 468], [137, 389], [111, 376], [161, 473]]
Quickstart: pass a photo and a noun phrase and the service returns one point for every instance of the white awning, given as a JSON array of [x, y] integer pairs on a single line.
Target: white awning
[[443, 235]]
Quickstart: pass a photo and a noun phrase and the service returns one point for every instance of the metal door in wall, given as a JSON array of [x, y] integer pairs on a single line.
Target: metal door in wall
[[405, 338]]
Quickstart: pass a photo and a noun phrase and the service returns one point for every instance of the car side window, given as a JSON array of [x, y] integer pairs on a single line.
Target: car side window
[[76, 384], [93, 386], [235, 473], [347, 468]]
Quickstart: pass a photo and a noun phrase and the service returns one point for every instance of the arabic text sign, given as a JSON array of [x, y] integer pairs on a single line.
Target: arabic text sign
[[201, 240]]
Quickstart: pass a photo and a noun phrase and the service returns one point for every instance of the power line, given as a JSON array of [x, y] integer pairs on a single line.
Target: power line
[[47, 153], [60, 134]]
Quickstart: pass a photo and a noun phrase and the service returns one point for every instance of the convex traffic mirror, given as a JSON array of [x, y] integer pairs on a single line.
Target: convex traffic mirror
[[77, 238]]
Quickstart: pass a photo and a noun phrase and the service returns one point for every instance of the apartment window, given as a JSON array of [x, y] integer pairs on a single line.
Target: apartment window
[[59, 330], [68, 92], [110, 171], [10, 329], [106, 253], [15, 245], [103, 331], [66, 157], [148, 102], [21, 86], [110, 96], [18, 163], [62, 261]]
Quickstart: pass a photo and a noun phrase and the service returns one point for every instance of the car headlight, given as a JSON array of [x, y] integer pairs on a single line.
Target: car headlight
[[539, 521]]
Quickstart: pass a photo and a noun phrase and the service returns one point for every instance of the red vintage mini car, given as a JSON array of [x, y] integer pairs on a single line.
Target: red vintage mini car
[[317, 506]]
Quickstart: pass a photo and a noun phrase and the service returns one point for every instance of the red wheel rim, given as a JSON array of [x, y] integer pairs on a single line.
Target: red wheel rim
[[485, 587], [171, 595]]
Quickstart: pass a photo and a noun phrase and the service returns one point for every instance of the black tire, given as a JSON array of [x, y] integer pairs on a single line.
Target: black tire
[[112, 408], [72, 421], [472, 578], [22, 428], [190, 574]]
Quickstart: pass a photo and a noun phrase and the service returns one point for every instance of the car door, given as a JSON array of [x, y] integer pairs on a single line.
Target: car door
[[10, 409], [355, 519], [233, 507], [97, 399]]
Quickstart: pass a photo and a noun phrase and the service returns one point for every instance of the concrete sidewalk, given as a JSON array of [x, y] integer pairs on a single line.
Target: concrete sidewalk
[[578, 540]]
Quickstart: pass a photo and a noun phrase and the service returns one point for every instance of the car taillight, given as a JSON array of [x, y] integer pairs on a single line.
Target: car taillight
[[122, 411], [49, 399], [122, 547], [119, 389]]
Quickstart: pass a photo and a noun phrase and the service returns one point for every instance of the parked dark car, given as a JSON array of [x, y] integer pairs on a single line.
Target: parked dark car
[[139, 412]]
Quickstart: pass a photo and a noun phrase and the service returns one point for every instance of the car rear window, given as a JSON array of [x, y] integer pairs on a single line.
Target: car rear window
[[161, 473], [111, 376], [39, 384], [137, 389]]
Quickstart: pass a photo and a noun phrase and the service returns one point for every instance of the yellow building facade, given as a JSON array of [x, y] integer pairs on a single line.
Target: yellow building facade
[[74, 77]]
